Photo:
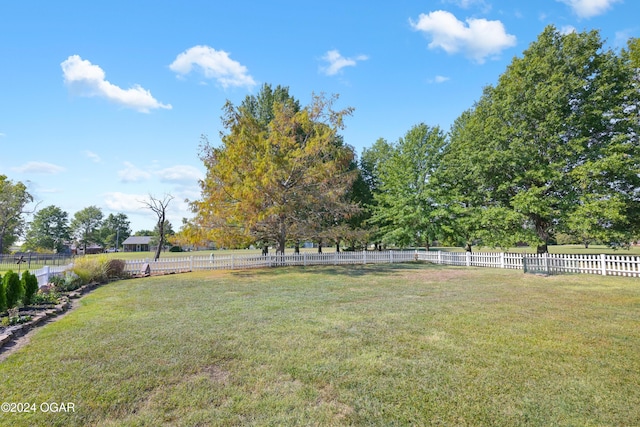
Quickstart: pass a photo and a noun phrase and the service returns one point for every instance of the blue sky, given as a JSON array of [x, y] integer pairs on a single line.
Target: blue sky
[[104, 103]]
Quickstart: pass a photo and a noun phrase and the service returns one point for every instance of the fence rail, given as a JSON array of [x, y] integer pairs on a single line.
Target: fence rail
[[606, 265], [611, 265]]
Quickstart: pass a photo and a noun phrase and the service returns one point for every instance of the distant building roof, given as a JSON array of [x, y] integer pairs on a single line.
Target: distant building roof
[[138, 240]]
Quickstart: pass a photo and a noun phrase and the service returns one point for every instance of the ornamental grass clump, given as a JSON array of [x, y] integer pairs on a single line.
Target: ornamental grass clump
[[114, 269], [90, 269]]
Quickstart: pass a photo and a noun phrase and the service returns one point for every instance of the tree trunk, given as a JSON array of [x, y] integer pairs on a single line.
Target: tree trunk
[[296, 249], [320, 246], [282, 238], [337, 246], [467, 247], [542, 230]]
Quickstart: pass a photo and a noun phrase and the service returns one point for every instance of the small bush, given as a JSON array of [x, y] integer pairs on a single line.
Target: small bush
[[13, 288], [30, 284], [175, 249], [69, 282], [45, 298], [115, 268]]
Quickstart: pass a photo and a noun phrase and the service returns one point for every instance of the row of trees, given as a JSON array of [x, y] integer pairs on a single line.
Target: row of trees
[[551, 149], [52, 230]]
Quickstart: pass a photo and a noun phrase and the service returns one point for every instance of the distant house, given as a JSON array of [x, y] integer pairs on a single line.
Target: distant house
[[77, 249], [137, 244]]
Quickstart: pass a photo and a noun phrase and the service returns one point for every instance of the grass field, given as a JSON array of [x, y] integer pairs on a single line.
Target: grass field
[[410, 344]]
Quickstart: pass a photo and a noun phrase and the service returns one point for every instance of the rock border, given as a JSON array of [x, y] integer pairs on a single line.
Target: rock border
[[13, 333]]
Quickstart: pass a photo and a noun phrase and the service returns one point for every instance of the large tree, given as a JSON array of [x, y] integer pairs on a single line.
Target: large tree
[[14, 199], [556, 139], [405, 208], [280, 171], [115, 229], [85, 226], [49, 230]]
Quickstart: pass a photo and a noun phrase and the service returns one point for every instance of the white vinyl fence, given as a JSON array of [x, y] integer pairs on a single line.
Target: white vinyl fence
[[45, 273], [606, 265]]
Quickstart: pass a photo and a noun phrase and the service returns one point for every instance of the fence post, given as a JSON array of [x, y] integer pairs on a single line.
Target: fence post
[[603, 264], [46, 271], [233, 267], [501, 259], [191, 263], [439, 257], [364, 256], [305, 258], [335, 258], [468, 259], [390, 257]]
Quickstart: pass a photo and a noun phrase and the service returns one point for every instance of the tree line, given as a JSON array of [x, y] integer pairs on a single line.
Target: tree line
[[548, 153], [53, 230], [551, 151]]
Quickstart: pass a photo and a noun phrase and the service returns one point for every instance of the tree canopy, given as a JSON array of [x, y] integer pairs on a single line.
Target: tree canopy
[[552, 147], [281, 172], [14, 199], [405, 207], [85, 226], [49, 230]]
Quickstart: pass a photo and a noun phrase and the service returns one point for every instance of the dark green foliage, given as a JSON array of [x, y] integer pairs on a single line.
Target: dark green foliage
[[13, 288], [30, 284], [3, 296], [553, 147], [404, 208], [175, 249], [49, 230]]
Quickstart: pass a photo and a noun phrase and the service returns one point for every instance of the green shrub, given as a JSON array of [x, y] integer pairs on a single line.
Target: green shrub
[[50, 297], [69, 282], [175, 249], [30, 284], [3, 296], [13, 288]]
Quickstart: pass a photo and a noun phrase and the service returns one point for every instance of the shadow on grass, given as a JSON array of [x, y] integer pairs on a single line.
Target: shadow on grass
[[348, 270]]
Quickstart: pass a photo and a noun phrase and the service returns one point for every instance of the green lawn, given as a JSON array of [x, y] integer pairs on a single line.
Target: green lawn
[[411, 344]]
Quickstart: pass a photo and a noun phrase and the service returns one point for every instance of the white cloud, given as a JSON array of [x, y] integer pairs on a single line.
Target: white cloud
[[214, 64], [92, 156], [337, 62], [567, 29], [439, 79], [132, 174], [89, 80], [40, 167], [466, 4], [180, 174], [123, 202], [589, 8], [478, 39]]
